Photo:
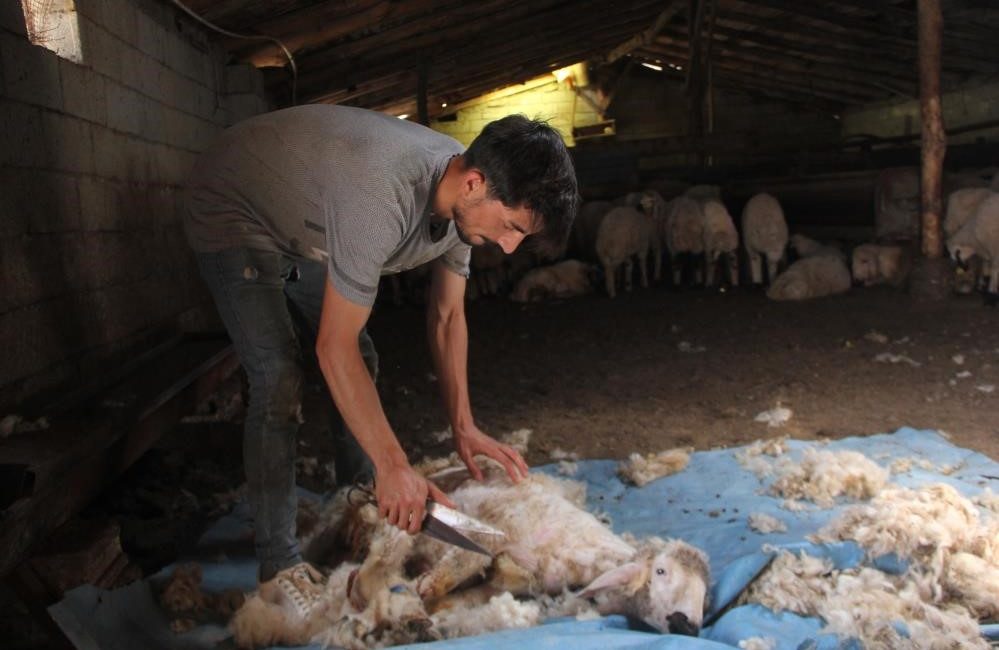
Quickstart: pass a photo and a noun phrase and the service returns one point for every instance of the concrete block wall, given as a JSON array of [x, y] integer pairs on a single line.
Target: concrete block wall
[[555, 102], [93, 156], [966, 106]]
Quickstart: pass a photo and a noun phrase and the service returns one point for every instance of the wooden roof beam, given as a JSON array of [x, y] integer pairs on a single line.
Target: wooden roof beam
[[644, 38]]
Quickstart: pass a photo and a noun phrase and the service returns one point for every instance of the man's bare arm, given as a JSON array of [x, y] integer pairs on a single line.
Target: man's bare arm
[[401, 492], [447, 331]]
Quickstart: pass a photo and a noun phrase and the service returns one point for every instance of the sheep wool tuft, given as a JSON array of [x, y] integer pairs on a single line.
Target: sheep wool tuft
[[821, 476], [641, 470], [764, 523]]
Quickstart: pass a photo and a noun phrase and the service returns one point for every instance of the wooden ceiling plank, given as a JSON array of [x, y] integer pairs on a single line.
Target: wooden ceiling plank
[[647, 36]]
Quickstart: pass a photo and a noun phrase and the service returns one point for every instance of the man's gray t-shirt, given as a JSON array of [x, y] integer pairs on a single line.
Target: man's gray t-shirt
[[329, 183]]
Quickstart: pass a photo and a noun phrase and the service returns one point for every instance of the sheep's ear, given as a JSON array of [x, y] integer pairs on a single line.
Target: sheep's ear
[[630, 575]]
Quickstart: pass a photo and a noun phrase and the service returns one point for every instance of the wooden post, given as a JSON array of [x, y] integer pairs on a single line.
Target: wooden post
[[934, 137]]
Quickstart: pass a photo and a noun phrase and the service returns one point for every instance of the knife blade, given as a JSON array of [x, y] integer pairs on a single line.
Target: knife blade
[[445, 524]]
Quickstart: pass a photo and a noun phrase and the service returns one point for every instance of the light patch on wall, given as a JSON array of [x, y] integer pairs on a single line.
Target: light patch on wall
[[54, 25]]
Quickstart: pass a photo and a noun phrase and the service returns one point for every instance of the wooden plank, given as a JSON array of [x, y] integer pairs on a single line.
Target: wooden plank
[[647, 36], [83, 452]]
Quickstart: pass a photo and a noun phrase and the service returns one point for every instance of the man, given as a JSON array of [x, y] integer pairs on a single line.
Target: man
[[294, 216]]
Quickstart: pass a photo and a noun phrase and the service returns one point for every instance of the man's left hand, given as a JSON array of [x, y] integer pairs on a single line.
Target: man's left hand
[[473, 441]]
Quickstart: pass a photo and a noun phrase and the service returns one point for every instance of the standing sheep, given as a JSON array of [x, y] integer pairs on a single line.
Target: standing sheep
[[980, 236], [623, 234], [656, 208], [683, 235], [811, 277], [764, 234], [721, 242], [961, 206]]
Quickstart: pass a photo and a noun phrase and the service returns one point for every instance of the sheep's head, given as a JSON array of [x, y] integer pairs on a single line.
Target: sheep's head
[[865, 265], [960, 252], [665, 586]]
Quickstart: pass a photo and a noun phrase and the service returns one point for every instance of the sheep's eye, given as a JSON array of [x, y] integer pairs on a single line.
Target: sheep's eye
[[660, 571]]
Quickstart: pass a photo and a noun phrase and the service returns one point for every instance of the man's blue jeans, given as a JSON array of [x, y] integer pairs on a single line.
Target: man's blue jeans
[[270, 304]]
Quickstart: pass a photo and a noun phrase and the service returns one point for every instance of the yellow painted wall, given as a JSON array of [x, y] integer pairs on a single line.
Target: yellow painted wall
[[551, 101]]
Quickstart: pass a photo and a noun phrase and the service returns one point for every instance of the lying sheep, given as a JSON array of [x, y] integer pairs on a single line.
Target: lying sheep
[[764, 234], [623, 234], [811, 277], [881, 264], [980, 236], [682, 232], [551, 544], [721, 242], [562, 280]]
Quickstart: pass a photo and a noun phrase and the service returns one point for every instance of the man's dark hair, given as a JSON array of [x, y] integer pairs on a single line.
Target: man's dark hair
[[525, 163]]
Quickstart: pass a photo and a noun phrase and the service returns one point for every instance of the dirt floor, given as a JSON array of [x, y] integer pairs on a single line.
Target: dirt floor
[[657, 369], [647, 371]]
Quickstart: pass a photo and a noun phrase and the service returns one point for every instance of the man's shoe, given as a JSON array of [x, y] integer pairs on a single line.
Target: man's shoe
[[297, 589]]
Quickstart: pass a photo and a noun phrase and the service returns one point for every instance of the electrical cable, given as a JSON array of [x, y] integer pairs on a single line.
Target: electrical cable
[[251, 37]]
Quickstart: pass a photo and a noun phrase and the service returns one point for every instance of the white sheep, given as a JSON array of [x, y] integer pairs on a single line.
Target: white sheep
[[961, 205], [980, 236], [721, 241], [811, 277], [657, 209], [561, 280], [764, 235], [807, 247], [625, 233], [551, 544], [881, 264], [682, 232]]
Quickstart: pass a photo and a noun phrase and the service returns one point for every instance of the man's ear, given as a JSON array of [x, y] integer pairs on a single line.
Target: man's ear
[[473, 182]]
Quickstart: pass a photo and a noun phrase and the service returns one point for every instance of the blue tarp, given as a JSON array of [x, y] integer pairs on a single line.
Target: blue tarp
[[707, 505]]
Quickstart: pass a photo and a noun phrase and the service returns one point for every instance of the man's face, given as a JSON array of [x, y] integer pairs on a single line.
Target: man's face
[[479, 220]]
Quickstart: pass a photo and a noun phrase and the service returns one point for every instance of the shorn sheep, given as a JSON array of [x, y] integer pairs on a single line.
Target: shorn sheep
[[624, 234], [408, 588], [764, 235]]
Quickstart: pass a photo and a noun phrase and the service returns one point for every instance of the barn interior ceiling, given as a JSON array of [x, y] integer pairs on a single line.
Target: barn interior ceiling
[[385, 54]]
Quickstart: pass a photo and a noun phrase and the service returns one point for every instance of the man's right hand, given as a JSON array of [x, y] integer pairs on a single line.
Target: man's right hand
[[402, 495]]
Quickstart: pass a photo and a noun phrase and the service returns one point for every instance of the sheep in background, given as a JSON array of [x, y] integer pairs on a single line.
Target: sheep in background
[[584, 228], [980, 236], [881, 264], [811, 277], [561, 280], [764, 234], [682, 232], [623, 234], [657, 209], [961, 206], [721, 241]]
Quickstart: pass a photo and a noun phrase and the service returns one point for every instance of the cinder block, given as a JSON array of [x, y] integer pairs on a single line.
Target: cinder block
[[69, 143], [83, 92], [102, 50], [124, 108], [134, 67], [22, 140], [242, 78], [110, 153], [92, 9], [33, 268], [150, 37], [96, 206], [242, 106], [39, 202], [30, 73], [120, 18]]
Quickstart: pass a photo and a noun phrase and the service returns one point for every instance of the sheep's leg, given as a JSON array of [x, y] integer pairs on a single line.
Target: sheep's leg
[[733, 268], [712, 263], [642, 263], [676, 264], [771, 269], [629, 268], [657, 264], [994, 280], [609, 278], [699, 265], [756, 267], [455, 567]]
